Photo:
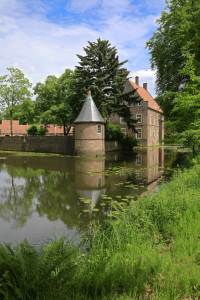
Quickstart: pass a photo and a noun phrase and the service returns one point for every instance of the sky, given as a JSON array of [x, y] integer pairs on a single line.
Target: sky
[[42, 37]]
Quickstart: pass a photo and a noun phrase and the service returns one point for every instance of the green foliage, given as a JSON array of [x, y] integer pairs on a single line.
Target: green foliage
[[155, 240], [42, 130], [32, 130], [178, 31], [129, 142], [53, 100], [14, 90], [134, 256], [24, 112], [36, 130], [101, 72], [115, 133], [185, 115], [27, 274]]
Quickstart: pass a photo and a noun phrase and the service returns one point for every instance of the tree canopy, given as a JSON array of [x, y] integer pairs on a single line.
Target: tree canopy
[[53, 100], [185, 116], [175, 55], [101, 72], [14, 90], [178, 32]]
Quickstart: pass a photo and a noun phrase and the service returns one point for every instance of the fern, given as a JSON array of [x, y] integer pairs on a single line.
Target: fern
[[26, 273]]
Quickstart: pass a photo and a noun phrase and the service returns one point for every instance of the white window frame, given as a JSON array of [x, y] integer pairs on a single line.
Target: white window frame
[[139, 138], [140, 118]]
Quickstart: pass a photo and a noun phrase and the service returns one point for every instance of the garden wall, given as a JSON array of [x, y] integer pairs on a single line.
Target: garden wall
[[113, 146], [42, 144], [46, 144]]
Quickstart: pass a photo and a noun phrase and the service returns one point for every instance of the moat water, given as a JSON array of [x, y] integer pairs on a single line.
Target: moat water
[[45, 195]]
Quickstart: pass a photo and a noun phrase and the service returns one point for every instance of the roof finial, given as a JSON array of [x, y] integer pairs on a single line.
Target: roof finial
[[89, 93]]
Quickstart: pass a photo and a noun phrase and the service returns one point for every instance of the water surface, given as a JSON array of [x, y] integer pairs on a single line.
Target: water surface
[[44, 194]]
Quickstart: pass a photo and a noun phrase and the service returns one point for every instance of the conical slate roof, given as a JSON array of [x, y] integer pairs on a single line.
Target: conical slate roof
[[89, 112]]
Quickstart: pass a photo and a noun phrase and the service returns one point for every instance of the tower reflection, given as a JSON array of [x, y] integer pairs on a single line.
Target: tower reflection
[[90, 180]]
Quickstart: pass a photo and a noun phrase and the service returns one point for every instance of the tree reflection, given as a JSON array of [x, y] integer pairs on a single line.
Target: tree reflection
[[17, 196], [52, 186]]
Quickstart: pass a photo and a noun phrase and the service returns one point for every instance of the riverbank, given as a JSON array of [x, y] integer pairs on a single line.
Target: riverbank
[[149, 250]]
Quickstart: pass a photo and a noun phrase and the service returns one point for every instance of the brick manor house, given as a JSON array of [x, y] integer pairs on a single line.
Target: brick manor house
[[149, 116], [147, 113]]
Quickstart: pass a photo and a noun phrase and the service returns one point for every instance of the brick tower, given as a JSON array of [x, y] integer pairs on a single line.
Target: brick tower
[[89, 130]]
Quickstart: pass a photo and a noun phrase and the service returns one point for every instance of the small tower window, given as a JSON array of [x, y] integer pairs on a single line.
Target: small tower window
[[99, 128]]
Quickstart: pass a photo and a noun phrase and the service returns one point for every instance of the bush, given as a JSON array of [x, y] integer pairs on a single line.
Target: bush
[[32, 130], [129, 142], [42, 130], [115, 133], [36, 130]]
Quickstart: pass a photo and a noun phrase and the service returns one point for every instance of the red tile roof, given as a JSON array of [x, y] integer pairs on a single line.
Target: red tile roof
[[146, 97]]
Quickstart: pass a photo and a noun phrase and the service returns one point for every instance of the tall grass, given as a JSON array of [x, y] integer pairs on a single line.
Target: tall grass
[[149, 251]]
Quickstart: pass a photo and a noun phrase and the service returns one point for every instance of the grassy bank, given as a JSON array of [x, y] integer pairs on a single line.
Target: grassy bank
[[150, 251]]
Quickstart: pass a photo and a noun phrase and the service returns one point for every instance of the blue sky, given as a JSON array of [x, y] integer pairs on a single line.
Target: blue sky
[[42, 37]]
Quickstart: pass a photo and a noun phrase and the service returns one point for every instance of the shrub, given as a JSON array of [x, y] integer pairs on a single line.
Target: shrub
[[42, 130], [115, 133], [36, 130], [129, 142], [32, 130]]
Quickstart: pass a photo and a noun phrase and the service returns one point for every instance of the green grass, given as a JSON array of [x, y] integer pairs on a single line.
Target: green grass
[[149, 251]]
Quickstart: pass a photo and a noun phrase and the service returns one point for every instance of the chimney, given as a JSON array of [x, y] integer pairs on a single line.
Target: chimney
[[89, 93], [125, 71], [137, 80], [145, 86]]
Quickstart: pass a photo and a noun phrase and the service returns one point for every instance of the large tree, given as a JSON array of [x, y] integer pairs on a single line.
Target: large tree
[[24, 112], [53, 100], [101, 72], [14, 90], [178, 32], [185, 115]]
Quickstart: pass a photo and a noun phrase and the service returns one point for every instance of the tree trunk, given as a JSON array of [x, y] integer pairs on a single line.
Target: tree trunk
[[11, 131], [64, 128], [68, 129]]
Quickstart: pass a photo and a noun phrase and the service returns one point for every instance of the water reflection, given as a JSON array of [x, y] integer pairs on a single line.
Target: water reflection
[[38, 194], [90, 181]]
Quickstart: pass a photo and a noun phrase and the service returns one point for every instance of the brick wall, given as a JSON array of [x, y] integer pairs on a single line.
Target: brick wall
[[43, 144], [47, 144], [87, 139], [152, 131]]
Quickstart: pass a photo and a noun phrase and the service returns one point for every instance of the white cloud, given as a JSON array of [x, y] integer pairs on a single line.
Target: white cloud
[[41, 47], [145, 76]]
